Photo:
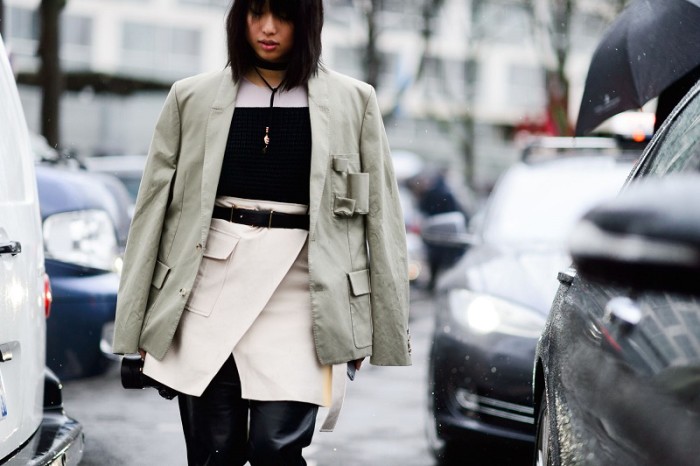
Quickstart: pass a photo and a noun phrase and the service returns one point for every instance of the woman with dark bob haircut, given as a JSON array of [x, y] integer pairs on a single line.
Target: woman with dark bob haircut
[[266, 257]]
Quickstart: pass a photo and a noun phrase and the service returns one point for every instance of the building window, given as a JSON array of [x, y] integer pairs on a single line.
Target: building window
[[22, 30], [434, 78], [162, 51], [210, 3], [23, 23], [76, 41], [339, 3], [455, 76], [526, 87], [348, 60], [389, 69]]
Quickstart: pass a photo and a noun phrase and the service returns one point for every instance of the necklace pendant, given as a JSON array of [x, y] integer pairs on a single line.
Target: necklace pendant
[[266, 139]]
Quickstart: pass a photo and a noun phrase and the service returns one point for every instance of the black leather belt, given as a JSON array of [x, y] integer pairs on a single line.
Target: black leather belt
[[262, 218]]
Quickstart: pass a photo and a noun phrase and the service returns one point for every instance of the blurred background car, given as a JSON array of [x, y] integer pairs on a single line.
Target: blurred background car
[[492, 305], [33, 426], [85, 222], [618, 365], [126, 168]]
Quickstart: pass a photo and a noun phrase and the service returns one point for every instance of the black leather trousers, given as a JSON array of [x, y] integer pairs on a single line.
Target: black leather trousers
[[218, 432]]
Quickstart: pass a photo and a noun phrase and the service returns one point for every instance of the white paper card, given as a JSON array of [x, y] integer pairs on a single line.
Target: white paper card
[[3, 400]]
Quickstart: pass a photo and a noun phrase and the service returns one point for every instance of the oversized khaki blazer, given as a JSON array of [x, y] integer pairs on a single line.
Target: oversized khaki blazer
[[357, 250]]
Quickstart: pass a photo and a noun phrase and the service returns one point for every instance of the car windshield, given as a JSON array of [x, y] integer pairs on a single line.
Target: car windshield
[[538, 204]]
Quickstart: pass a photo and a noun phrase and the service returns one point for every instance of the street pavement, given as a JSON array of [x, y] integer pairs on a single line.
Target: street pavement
[[381, 423]]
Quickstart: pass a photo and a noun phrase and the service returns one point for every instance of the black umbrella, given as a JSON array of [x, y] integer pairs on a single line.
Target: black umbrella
[[651, 45]]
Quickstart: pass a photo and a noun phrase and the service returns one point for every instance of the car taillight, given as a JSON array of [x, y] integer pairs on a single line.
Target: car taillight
[[48, 297]]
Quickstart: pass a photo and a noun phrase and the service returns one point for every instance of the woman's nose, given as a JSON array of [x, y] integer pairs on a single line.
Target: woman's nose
[[269, 25]]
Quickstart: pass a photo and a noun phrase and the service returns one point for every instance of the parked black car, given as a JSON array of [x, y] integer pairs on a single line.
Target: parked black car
[[492, 305], [617, 379]]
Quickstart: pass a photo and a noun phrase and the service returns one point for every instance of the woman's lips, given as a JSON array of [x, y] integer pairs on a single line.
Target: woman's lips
[[268, 46]]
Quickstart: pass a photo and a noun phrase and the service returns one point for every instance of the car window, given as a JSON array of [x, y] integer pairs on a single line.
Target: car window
[[14, 152], [541, 203], [679, 148]]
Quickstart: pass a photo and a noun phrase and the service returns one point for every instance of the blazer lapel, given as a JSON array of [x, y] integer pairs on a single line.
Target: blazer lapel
[[319, 111], [215, 145]]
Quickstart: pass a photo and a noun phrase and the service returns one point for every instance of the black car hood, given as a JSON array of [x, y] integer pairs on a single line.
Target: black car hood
[[522, 275]]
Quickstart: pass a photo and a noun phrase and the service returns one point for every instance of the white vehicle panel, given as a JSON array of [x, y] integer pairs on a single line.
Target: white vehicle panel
[[22, 319]]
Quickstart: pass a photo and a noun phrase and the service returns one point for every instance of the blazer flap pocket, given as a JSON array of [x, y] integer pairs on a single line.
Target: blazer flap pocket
[[359, 282], [340, 164], [220, 245], [159, 273], [343, 206]]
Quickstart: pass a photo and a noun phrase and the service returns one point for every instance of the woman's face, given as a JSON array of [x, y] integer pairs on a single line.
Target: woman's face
[[271, 37]]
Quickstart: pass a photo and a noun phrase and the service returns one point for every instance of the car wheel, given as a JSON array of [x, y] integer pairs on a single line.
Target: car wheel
[[543, 451]]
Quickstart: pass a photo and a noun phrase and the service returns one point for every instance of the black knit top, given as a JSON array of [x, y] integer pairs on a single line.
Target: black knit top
[[281, 173]]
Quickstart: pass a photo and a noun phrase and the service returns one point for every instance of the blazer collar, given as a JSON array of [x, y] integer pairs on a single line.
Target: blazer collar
[[319, 111], [217, 130], [226, 95]]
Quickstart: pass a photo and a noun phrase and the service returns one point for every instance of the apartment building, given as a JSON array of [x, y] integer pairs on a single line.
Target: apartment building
[[486, 68]]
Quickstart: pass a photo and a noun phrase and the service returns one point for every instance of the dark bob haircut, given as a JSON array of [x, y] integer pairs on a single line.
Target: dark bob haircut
[[305, 59]]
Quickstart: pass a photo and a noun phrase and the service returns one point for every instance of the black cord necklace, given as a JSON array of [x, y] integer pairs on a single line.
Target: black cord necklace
[[273, 91]]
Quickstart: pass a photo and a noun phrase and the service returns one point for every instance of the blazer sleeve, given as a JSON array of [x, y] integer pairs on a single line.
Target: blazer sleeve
[[146, 226], [386, 238]]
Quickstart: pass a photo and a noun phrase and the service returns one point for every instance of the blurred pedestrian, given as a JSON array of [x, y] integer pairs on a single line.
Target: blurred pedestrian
[[435, 197], [267, 208]]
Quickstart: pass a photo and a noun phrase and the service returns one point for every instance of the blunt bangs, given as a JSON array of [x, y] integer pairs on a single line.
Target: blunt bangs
[[287, 10]]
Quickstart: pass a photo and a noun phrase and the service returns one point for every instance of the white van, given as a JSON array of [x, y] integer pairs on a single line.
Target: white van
[[33, 427]]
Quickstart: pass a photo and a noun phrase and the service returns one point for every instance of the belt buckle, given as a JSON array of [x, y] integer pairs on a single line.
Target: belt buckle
[[269, 221]]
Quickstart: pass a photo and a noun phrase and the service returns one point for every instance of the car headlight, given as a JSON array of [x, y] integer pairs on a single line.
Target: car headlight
[[484, 314], [82, 237]]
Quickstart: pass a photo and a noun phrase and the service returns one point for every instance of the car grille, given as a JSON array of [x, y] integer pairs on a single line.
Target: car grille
[[492, 407]]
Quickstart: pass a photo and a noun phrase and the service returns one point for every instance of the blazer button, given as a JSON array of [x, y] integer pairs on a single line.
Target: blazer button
[[198, 246], [183, 292]]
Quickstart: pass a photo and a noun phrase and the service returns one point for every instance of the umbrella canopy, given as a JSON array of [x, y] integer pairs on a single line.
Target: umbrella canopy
[[651, 45]]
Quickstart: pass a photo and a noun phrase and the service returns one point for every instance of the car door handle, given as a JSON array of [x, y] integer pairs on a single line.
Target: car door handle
[[10, 247], [6, 350]]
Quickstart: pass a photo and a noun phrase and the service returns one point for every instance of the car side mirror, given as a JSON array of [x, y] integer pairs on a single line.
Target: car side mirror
[[447, 229], [646, 238]]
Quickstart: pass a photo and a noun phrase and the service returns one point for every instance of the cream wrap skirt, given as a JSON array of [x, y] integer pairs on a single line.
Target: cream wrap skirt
[[251, 299]]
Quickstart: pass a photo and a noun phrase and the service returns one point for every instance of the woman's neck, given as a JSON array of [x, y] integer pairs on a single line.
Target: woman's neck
[[273, 77]]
